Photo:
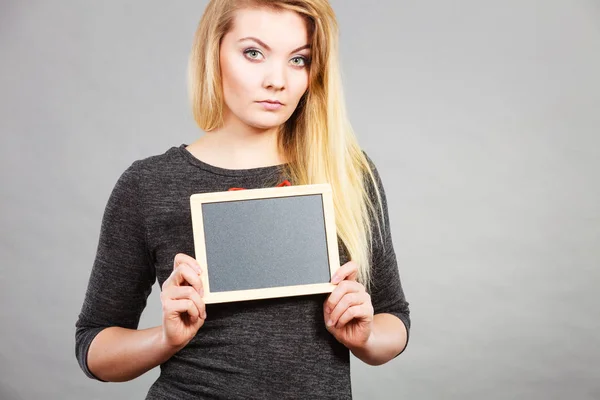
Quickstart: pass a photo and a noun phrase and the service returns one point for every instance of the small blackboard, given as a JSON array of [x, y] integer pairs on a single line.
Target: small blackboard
[[265, 243]]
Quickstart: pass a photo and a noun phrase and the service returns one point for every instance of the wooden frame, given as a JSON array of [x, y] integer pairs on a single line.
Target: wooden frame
[[196, 201]]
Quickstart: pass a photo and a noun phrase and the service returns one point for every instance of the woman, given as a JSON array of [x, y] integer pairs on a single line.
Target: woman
[[265, 86]]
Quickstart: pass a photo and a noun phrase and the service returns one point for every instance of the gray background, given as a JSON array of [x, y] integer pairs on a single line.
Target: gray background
[[482, 117]]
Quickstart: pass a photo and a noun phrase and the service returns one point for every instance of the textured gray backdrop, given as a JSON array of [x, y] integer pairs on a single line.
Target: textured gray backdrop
[[483, 118]]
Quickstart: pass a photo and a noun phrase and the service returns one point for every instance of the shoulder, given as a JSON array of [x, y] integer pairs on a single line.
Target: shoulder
[[161, 166], [155, 162], [150, 172], [371, 175], [368, 158]]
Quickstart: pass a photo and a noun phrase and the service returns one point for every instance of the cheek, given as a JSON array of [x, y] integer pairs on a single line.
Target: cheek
[[237, 81], [298, 85]]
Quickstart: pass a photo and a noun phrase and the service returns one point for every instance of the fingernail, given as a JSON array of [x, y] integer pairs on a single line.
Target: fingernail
[[329, 323]]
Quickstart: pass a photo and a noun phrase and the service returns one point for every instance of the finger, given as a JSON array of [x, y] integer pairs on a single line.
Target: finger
[[184, 275], [348, 271], [181, 258], [349, 300], [186, 292], [354, 312], [173, 307], [339, 292]]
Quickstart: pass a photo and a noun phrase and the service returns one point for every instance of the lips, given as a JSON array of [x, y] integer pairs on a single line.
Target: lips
[[271, 105], [271, 102]]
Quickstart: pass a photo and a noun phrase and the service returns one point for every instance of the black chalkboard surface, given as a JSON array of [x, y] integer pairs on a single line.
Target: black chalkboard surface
[[265, 243]]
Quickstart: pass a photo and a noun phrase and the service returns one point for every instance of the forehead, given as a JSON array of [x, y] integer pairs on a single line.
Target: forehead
[[277, 28]]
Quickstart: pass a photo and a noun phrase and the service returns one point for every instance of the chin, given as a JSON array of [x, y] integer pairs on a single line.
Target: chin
[[266, 123]]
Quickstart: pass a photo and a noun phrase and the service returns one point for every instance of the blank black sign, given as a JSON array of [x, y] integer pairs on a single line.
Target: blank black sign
[[264, 243]]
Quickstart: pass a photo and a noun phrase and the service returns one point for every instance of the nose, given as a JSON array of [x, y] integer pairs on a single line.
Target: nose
[[275, 77]]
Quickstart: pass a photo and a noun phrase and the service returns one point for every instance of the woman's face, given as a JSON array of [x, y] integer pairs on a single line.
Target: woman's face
[[264, 67]]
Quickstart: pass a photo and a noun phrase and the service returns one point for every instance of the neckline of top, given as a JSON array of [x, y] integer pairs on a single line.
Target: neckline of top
[[225, 171]]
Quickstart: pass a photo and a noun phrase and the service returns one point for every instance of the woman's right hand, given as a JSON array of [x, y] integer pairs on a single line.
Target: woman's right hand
[[184, 310]]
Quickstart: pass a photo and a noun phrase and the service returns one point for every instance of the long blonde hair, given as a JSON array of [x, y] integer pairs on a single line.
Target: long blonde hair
[[317, 140]]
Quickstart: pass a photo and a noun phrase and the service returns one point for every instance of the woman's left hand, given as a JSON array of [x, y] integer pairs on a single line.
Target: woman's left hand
[[348, 310]]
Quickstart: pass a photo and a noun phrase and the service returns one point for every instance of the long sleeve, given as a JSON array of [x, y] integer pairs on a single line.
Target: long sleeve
[[387, 294], [122, 274]]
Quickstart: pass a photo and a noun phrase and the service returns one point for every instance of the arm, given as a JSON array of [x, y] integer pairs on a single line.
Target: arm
[[391, 322], [108, 346], [388, 339], [119, 354], [137, 351], [349, 315], [373, 325]]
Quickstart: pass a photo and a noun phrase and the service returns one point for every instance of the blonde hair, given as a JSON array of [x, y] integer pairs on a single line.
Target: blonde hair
[[317, 140]]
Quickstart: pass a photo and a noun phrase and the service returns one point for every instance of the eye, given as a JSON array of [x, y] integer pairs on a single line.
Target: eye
[[252, 54], [300, 61]]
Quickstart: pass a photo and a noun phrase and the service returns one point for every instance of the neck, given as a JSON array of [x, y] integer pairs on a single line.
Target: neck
[[236, 145]]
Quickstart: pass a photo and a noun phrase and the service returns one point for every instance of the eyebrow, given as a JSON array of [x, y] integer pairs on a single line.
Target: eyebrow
[[263, 44]]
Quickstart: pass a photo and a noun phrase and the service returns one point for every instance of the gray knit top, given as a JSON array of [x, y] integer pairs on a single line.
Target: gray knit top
[[259, 349]]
